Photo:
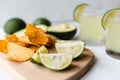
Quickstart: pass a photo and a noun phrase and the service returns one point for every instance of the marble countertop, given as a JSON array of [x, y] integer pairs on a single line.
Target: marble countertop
[[105, 67]]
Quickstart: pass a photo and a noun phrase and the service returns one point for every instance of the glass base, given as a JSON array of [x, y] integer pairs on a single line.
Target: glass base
[[113, 54]]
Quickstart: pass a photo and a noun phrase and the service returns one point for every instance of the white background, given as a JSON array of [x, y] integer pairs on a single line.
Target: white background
[[55, 10]]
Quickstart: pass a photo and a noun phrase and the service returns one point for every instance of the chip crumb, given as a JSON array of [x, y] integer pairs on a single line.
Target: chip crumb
[[3, 46]]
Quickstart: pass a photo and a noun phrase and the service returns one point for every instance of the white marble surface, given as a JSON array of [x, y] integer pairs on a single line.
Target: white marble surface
[[105, 67]]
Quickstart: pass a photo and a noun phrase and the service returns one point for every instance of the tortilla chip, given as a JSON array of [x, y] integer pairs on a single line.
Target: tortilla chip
[[21, 44], [52, 41], [18, 53], [12, 38], [35, 48], [3, 46], [36, 35], [24, 39]]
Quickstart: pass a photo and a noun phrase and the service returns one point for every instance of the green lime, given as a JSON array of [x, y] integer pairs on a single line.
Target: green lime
[[42, 50], [44, 21], [108, 16], [13, 25], [56, 61], [78, 11], [74, 48]]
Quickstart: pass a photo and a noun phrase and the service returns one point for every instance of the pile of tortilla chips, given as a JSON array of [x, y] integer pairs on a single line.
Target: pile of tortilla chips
[[22, 48]]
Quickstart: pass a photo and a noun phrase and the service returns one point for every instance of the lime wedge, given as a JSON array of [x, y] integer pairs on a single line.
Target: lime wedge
[[35, 58], [42, 49], [108, 16], [73, 48], [78, 11], [56, 61]]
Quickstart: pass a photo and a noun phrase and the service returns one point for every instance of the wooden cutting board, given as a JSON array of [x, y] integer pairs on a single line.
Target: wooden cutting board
[[30, 71]]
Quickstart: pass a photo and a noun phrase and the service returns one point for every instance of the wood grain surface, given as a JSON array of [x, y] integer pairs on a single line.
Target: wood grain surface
[[29, 71]]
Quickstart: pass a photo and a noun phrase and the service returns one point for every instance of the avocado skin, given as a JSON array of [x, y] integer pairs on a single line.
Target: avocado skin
[[63, 35]]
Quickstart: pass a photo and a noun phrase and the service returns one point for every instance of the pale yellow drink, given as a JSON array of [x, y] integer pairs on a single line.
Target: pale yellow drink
[[113, 36], [91, 28]]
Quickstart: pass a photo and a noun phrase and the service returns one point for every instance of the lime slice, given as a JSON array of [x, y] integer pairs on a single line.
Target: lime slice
[[78, 11], [35, 58], [108, 16], [56, 61], [74, 48]]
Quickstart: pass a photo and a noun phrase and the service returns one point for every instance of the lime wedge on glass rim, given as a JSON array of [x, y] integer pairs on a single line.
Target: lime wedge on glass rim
[[56, 61], [78, 11], [35, 58], [108, 16], [74, 48]]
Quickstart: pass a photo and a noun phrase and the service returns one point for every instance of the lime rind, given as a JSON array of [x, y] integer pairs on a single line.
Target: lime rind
[[55, 63], [79, 53], [108, 16], [74, 48], [79, 9]]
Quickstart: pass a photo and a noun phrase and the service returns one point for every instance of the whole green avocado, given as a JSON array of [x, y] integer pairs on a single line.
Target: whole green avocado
[[13, 25]]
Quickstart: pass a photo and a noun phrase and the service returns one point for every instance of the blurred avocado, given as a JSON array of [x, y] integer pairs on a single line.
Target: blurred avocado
[[13, 25], [43, 21], [63, 31]]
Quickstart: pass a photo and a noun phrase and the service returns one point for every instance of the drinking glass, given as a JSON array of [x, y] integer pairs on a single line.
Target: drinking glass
[[91, 30], [112, 41]]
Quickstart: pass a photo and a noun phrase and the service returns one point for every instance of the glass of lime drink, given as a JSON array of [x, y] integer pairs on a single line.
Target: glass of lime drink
[[90, 27], [91, 30], [111, 23], [112, 40]]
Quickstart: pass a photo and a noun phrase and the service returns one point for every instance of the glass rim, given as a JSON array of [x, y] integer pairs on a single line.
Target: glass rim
[[93, 12]]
